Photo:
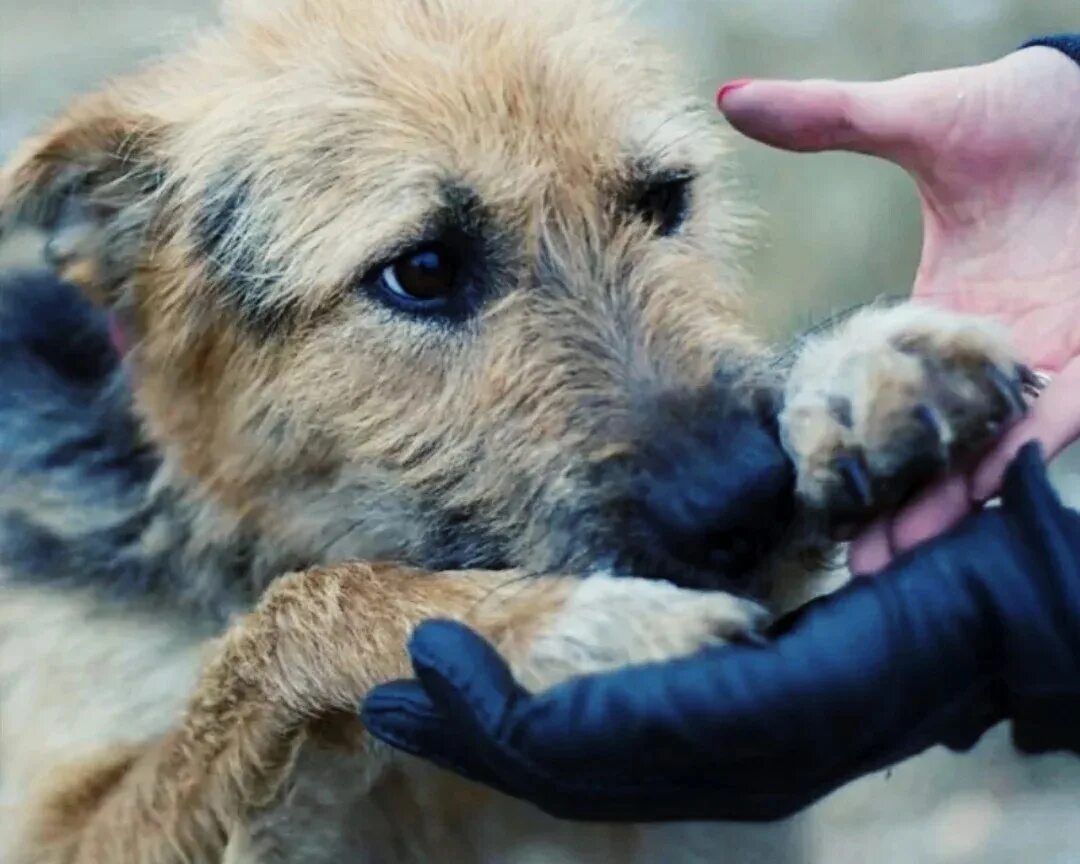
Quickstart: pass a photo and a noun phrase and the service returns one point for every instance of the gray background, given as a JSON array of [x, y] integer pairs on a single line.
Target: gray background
[[836, 230]]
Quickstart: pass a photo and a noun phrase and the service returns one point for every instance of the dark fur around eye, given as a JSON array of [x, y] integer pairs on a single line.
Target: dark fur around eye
[[665, 202], [228, 244], [451, 267], [440, 279]]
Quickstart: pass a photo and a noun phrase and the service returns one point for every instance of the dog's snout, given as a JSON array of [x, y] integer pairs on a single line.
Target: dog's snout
[[714, 491]]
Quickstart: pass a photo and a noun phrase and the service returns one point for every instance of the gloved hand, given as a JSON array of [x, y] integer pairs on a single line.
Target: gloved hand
[[981, 625]]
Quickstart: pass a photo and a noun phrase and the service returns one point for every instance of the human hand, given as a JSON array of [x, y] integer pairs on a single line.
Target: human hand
[[978, 627], [995, 152]]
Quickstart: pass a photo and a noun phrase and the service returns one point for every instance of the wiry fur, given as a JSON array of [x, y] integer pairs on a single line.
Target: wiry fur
[[85, 501], [167, 692]]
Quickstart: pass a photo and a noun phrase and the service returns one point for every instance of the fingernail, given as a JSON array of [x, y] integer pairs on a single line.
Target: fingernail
[[730, 88]]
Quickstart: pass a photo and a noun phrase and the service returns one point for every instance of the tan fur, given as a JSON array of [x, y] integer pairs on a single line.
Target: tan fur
[[226, 203], [314, 642], [875, 365]]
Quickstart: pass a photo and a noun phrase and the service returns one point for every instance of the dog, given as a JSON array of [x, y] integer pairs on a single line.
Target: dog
[[414, 305]]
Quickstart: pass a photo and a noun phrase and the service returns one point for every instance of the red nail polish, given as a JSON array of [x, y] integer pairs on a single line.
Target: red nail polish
[[731, 87]]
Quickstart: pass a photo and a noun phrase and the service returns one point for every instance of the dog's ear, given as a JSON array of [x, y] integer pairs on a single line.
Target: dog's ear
[[89, 182]]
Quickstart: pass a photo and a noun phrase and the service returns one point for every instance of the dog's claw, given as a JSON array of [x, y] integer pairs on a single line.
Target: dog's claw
[[754, 638], [1009, 390], [933, 423], [856, 476], [1033, 383]]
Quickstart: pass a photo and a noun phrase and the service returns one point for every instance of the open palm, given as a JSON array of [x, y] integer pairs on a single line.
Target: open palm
[[995, 151]]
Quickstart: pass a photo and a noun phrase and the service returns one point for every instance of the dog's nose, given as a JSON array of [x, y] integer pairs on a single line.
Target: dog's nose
[[716, 491]]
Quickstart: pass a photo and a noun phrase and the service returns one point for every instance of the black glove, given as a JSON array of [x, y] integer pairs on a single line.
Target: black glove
[[973, 628]]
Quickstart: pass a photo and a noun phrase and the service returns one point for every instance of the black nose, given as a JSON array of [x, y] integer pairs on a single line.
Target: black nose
[[715, 490]]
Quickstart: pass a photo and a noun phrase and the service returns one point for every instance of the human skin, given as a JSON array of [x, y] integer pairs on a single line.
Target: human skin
[[995, 152]]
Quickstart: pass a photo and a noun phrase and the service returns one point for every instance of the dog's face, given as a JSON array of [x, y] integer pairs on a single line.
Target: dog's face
[[438, 280]]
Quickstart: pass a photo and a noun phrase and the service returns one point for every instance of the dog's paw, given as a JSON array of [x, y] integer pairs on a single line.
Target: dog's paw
[[609, 622], [891, 400]]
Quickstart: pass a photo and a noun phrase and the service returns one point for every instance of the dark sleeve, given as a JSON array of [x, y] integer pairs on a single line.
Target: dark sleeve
[[1067, 43]]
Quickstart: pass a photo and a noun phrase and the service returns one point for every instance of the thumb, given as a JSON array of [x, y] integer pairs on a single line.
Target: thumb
[[895, 119]]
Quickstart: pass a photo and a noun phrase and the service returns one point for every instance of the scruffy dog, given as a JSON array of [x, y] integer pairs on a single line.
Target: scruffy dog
[[437, 282]]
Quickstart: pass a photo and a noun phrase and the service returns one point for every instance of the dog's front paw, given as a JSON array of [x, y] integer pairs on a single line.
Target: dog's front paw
[[609, 622], [897, 396]]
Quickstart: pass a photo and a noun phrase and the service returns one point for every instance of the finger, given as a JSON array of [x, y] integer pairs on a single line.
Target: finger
[[463, 675], [1054, 421], [893, 119], [934, 512], [871, 551], [402, 715]]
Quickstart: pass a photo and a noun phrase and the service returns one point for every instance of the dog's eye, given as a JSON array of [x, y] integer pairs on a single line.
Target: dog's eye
[[666, 203], [424, 279]]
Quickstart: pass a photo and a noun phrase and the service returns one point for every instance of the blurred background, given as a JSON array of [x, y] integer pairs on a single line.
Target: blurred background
[[835, 231]]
